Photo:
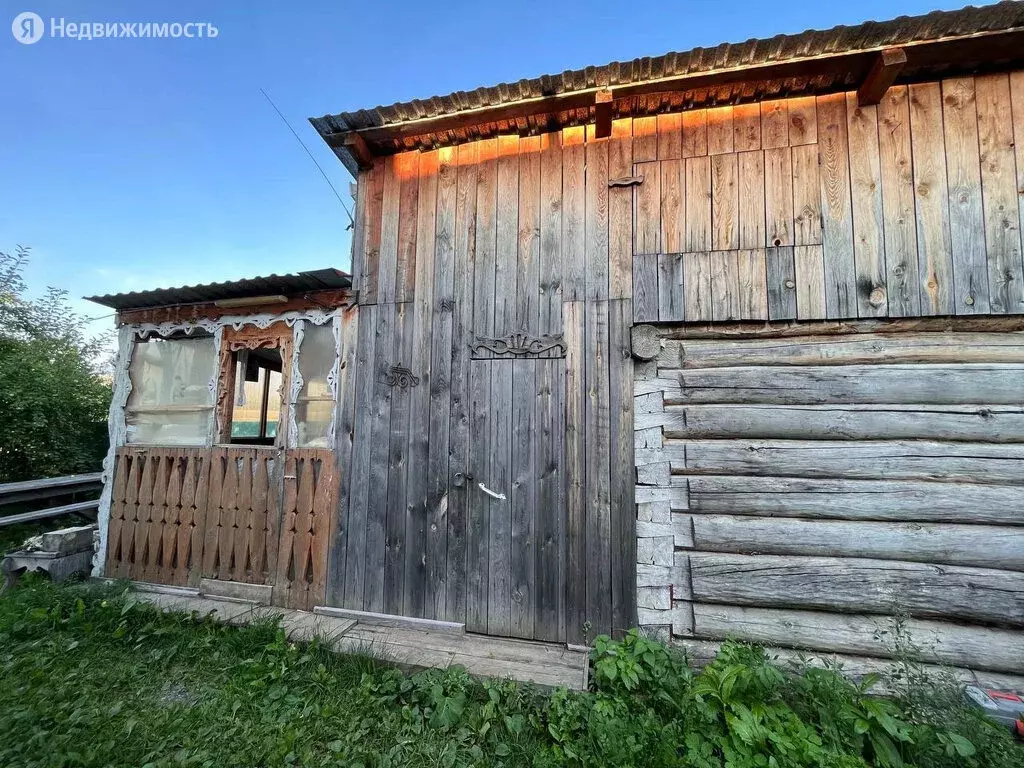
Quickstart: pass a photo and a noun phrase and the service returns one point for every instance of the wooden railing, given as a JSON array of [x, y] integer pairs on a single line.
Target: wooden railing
[[48, 490]]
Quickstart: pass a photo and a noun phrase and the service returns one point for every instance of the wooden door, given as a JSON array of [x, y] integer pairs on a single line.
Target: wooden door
[[515, 497]]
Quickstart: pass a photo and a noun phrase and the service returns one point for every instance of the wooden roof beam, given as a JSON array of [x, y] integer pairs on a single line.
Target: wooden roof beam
[[357, 146], [603, 102], [883, 74]]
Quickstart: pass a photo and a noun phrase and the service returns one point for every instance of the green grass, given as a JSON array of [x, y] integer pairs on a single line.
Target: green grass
[[87, 678]]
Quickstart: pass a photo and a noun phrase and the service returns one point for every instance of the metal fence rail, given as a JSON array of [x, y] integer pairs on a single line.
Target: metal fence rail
[[49, 489]]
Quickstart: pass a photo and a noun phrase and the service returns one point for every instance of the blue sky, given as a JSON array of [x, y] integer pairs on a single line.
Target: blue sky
[[133, 164]]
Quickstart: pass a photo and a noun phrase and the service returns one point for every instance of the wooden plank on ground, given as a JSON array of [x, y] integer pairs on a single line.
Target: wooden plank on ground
[[837, 220], [898, 216], [935, 255], [1000, 193], [866, 209], [966, 219]]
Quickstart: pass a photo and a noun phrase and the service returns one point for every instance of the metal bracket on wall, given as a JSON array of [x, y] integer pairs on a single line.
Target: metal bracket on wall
[[519, 344], [626, 181], [399, 376]]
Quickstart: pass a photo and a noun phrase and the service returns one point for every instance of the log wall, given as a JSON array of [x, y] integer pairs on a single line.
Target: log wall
[[800, 490]]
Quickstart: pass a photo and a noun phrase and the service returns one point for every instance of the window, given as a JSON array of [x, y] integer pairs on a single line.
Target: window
[[171, 402], [314, 406], [257, 397]]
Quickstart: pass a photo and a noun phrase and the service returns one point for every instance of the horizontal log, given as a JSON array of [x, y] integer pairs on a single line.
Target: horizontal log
[[853, 499], [939, 642], [82, 508], [859, 586], [981, 423], [983, 383], [701, 652], [49, 487], [838, 328], [857, 349], [981, 546], [895, 460]]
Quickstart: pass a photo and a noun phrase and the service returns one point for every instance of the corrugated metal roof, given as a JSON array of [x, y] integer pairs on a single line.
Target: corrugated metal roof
[[871, 35], [271, 285]]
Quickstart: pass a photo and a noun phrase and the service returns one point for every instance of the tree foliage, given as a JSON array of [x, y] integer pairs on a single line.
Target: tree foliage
[[53, 394]]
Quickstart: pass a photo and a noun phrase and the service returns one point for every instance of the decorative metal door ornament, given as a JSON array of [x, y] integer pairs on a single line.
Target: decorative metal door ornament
[[519, 343], [399, 376]]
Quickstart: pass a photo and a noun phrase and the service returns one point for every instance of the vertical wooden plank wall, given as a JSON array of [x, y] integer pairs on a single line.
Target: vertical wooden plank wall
[[501, 236], [902, 209]]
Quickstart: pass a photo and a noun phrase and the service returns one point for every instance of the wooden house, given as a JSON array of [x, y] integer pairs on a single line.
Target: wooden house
[[724, 343]]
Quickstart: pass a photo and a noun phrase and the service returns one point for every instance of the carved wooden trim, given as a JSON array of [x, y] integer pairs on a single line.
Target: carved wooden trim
[[328, 300], [399, 376], [519, 344], [276, 336]]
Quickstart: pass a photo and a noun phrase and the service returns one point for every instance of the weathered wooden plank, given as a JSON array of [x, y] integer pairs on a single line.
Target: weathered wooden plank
[[966, 220], [781, 283], [597, 423], [855, 348], [645, 287], [697, 205], [774, 123], [806, 195], [398, 464], [1017, 117], [549, 436], [596, 222], [809, 265], [751, 189], [345, 441], [720, 131], [672, 211], [725, 285], [695, 133], [866, 209], [803, 121], [575, 469], [935, 384], [939, 642], [725, 205], [980, 546], [620, 211], [696, 286], [670, 286], [389, 243], [895, 500], [670, 136], [860, 585], [463, 241], [359, 230], [429, 405], [897, 460], [836, 216], [753, 288], [623, 510], [574, 211], [994, 423], [369, 258], [897, 180], [507, 237], [999, 190], [778, 196], [645, 138], [935, 255], [746, 122], [407, 169], [523, 497], [550, 319], [478, 504], [647, 208]]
